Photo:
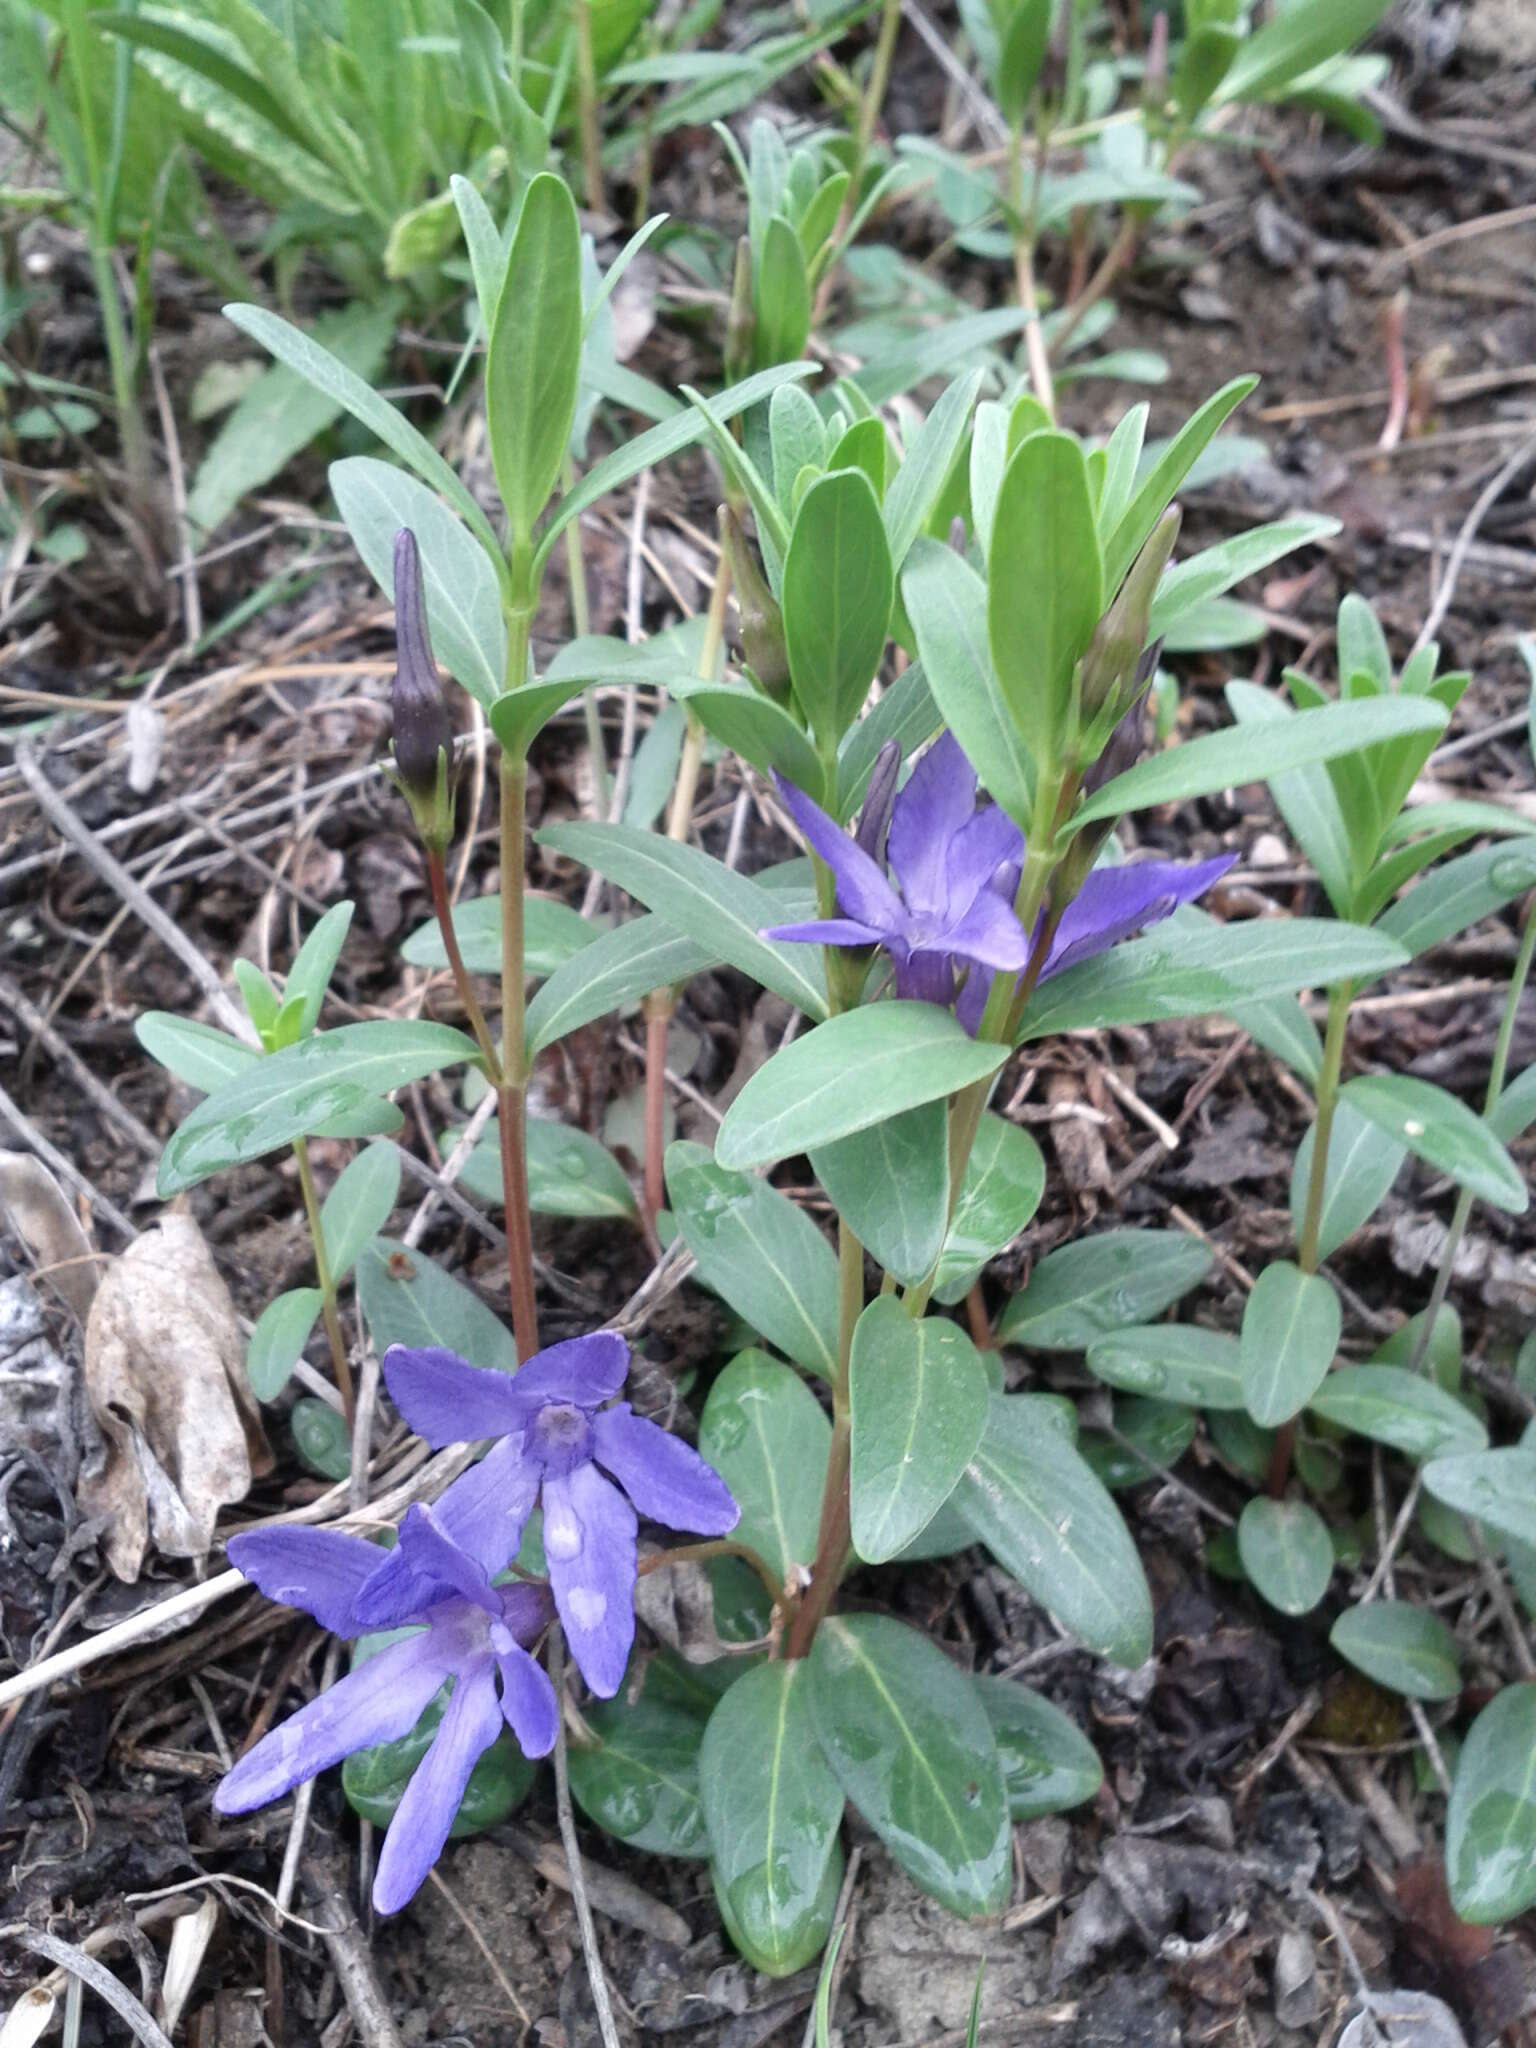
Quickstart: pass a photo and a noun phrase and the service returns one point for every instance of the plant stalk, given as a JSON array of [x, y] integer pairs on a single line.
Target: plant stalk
[[1024, 278], [442, 909], [1496, 1073], [327, 1283], [586, 100]]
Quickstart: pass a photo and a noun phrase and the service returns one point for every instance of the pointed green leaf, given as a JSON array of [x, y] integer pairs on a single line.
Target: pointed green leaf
[[358, 1206], [1032, 1500], [849, 1073], [639, 1778], [1049, 1765], [1291, 1324], [890, 1184], [837, 594], [409, 1300], [1102, 1283], [1171, 1362], [1405, 1648], [278, 1339], [1363, 1162], [533, 360], [918, 1395], [1441, 1130], [1004, 1180], [1045, 585], [768, 1437], [773, 1806], [1399, 1408], [914, 1750], [947, 603]]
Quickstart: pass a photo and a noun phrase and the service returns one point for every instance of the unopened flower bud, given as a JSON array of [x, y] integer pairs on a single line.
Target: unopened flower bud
[[1110, 666], [879, 797], [1123, 748], [1155, 75], [423, 736], [762, 622]]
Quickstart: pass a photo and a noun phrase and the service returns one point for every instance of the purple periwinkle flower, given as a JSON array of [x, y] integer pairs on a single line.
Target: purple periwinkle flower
[[945, 856], [1112, 904], [555, 1434], [470, 1632]]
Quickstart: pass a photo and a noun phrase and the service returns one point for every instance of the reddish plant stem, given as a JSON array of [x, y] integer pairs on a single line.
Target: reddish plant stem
[[658, 1015], [442, 907]]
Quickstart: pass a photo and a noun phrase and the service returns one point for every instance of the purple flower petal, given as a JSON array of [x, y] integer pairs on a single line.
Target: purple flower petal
[[527, 1701], [471, 1723], [938, 799], [473, 1531], [1115, 902], [863, 893], [988, 932], [585, 1371], [926, 975], [526, 1608], [320, 1570], [589, 1545], [449, 1401], [485, 1509], [828, 931], [378, 1702], [664, 1477], [972, 999], [989, 843]]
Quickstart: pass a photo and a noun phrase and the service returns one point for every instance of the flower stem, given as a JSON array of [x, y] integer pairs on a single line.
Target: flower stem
[[586, 99], [1496, 1073], [327, 1282], [1278, 1475], [512, 1096], [832, 1538], [442, 907], [1024, 276]]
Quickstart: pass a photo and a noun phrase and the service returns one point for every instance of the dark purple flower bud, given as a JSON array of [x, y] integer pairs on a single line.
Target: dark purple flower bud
[[762, 622], [879, 797], [422, 730], [1123, 748]]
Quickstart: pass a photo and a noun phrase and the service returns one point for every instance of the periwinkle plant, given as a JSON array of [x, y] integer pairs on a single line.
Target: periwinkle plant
[[931, 934]]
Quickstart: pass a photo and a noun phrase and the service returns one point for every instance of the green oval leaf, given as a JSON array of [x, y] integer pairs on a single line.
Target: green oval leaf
[[1490, 1823], [761, 1254], [278, 1339], [1049, 1765], [767, 1436], [1402, 1647], [359, 1205], [1045, 585], [890, 1184], [321, 1437], [1496, 1488], [1004, 1180], [1441, 1130], [849, 1073], [1102, 1283], [918, 1393], [640, 1779], [1171, 1362], [947, 603], [1286, 1551], [533, 361], [409, 1300], [772, 1805], [914, 1750], [1291, 1324], [1363, 1162], [293, 1092], [1399, 1408], [837, 592], [1032, 1500]]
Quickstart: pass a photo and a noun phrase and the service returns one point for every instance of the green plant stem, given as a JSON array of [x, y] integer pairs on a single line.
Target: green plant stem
[[1278, 1475], [586, 100], [1496, 1073], [832, 1537], [1114, 260], [875, 88], [327, 1283], [442, 909]]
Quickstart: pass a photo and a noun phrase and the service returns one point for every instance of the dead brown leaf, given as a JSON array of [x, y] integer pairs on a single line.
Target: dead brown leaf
[[165, 1373], [38, 1210]]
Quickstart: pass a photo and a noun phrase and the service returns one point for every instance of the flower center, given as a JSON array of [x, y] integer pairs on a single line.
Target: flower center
[[562, 1437]]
